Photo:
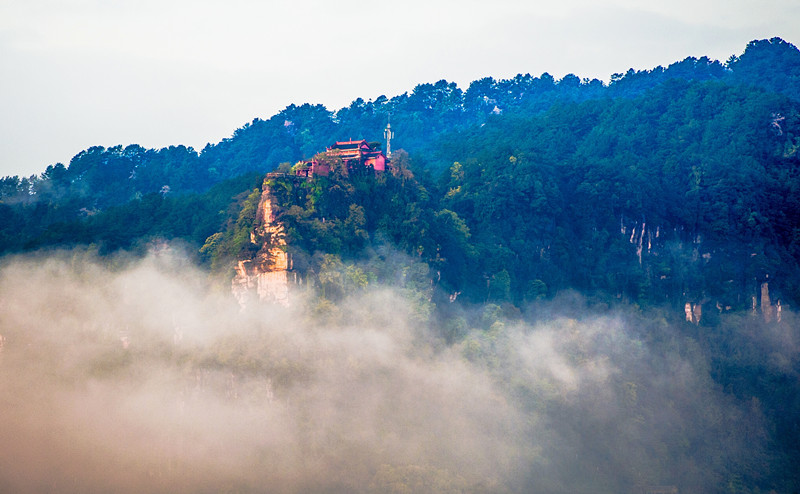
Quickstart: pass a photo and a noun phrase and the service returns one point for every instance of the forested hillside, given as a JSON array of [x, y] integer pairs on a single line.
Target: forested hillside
[[666, 186], [663, 190], [688, 191], [118, 174]]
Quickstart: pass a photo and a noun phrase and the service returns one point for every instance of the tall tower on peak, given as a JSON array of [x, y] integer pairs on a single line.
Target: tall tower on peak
[[388, 134]]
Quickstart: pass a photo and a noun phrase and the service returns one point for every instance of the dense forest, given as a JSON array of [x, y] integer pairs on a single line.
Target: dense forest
[[666, 186], [509, 202]]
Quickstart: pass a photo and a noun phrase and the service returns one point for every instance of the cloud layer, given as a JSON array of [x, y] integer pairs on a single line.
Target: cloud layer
[[142, 377]]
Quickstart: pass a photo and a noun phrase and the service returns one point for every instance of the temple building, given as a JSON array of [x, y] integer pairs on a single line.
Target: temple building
[[352, 154]]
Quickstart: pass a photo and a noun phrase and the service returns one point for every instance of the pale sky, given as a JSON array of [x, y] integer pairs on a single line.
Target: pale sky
[[80, 73]]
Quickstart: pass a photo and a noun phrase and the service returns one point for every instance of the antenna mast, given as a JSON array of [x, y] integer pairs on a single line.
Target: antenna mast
[[388, 134]]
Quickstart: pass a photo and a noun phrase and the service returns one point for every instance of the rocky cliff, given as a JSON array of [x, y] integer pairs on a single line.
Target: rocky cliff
[[266, 275]]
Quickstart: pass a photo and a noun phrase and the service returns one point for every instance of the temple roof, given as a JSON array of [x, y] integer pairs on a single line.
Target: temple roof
[[351, 144]]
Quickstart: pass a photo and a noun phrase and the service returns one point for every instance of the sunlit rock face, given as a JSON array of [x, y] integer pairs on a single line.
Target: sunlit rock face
[[694, 312], [270, 286], [266, 275]]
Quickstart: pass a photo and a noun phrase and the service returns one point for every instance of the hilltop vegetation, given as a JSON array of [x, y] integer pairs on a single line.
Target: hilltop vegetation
[[665, 186], [670, 185]]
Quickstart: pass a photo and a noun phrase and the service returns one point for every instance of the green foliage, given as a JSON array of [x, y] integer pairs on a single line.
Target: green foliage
[[222, 249], [191, 218], [672, 183], [668, 195]]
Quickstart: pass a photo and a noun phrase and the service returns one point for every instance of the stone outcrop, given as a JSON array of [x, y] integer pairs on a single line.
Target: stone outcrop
[[760, 305], [768, 310], [267, 275], [694, 312]]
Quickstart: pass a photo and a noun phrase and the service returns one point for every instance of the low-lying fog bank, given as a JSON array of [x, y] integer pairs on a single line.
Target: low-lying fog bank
[[142, 378]]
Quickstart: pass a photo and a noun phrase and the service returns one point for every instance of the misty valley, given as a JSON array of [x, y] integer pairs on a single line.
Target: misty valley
[[142, 378], [528, 286]]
